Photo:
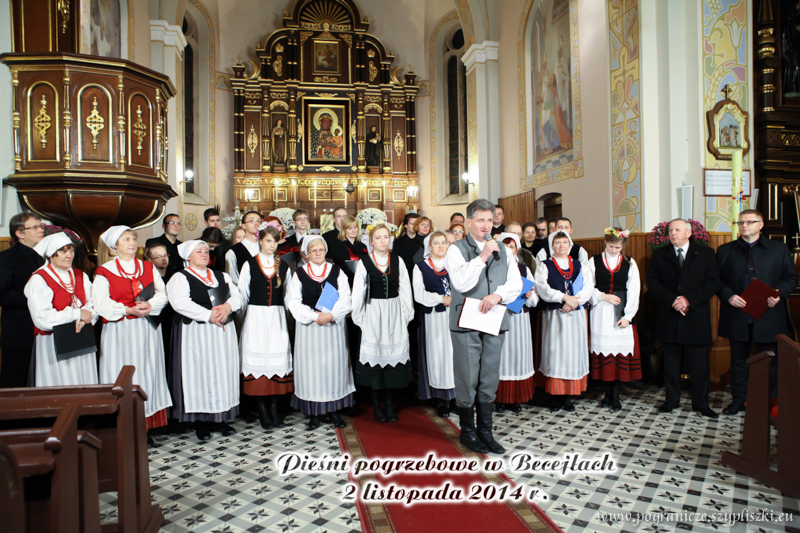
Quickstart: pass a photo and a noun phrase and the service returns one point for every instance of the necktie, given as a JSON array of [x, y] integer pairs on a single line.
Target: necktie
[[680, 257]]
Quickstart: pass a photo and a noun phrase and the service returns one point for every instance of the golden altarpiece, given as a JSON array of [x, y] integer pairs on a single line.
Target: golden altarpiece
[[324, 120]]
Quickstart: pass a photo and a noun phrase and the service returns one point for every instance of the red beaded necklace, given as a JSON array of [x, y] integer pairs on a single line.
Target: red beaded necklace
[[205, 279], [387, 264], [136, 287], [568, 273], [314, 277], [275, 266], [69, 287], [438, 271], [612, 272]]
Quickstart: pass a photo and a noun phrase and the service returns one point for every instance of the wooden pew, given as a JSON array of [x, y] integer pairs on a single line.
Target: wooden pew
[[12, 493], [754, 459], [115, 415], [48, 463]]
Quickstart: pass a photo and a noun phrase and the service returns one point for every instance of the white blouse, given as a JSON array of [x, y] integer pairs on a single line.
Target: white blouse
[[361, 280], [181, 301], [464, 275], [306, 315], [633, 286], [549, 294], [112, 310], [40, 300], [534, 299]]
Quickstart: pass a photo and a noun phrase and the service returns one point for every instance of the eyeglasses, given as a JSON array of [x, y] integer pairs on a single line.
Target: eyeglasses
[[301, 219], [458, 232], [173, 223], [253, 221], [317, 251], [36, 227], [748, 222], [159, 257]]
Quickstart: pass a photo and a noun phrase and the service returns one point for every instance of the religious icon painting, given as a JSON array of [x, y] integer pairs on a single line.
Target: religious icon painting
[[327, 139], [727, 130], [326, 58]]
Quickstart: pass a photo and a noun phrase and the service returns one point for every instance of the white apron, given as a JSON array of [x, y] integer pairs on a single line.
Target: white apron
[[265, 346], [322, 371], [516, 358], [439, 350], [209, 367]]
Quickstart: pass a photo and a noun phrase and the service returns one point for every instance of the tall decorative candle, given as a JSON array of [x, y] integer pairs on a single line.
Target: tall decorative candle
[[736, 206]]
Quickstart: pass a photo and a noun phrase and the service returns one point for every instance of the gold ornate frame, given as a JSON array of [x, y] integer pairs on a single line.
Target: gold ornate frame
[[714, 118], [335, 46]]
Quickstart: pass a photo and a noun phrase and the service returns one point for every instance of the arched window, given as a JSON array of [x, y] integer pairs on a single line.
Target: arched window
[[455, 100], [190, 101]]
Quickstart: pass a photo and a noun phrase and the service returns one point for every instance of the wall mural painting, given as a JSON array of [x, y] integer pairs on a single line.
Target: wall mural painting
[[623, 20], [105, 28], [725, 46], [548, 76]]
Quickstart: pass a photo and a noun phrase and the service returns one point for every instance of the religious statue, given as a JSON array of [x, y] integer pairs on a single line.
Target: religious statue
[[278, 144], [790, 49], [373, 147]]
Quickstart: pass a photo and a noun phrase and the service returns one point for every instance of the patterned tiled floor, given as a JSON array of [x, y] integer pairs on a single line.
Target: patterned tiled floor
[[667, 463]]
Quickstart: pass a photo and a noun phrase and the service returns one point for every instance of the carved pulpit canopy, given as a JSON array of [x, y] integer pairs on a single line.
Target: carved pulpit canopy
[[324, 98]]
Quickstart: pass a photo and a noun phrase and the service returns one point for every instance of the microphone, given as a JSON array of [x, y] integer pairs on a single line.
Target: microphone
[[488, 237]]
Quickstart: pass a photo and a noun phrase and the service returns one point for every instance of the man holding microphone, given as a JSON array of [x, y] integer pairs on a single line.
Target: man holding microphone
[[480, 268]]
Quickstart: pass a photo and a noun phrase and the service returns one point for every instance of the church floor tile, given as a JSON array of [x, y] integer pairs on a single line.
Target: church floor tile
[[666, 463]]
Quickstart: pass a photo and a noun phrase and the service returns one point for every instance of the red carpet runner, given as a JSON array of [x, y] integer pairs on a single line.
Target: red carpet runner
[[418, 433]]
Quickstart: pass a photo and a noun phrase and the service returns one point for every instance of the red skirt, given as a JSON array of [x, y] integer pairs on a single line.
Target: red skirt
[[618, 367], [514, 391], [157, 420], [570, 387], [265, 386]]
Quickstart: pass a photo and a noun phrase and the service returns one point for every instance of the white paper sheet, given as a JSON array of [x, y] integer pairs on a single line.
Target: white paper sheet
[[472, 318]]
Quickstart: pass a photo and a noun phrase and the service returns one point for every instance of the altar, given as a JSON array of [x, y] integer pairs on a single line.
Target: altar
[[324, 119]]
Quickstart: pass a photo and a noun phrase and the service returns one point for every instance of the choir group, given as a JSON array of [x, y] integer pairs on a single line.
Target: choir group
[[317, 315]]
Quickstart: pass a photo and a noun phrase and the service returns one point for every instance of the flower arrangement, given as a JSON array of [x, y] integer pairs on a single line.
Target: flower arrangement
[[371, 217], [623, 233], [659, 236], [50, 229], [285, 216]]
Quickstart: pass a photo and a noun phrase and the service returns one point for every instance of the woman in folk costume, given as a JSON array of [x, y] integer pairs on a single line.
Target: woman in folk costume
[[516, 359], [264, 344], [128, 294], [615, 300], [382, 308], [205, 356], [432, 293], [59, 294], [564, 285], [322, 371]]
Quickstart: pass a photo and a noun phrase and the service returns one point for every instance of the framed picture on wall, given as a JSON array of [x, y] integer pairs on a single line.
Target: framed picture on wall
[[327, 138], [727, 130], [326, 58]]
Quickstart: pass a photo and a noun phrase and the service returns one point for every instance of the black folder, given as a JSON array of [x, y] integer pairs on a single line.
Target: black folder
[[69, 344], [144, 296], [218, 296], [352, 265]]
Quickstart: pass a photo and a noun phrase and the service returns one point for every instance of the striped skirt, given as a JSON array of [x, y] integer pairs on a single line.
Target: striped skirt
[[516, 358], [135, 342], [322, 371], [50, 372], [565, 346], [435, 364], [204, 372]]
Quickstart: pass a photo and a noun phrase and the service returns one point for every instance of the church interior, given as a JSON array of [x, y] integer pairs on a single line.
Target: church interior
[[621, 113]]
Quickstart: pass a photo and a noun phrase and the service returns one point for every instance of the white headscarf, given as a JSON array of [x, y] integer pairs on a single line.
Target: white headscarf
[[185, 249], [427, 246], [48, 246], [512, 236], [550, 241], [308, 239], [112, 235]]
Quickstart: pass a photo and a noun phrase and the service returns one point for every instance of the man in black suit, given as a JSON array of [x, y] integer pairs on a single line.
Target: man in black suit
[[16, 327], [740, 261], [214, 220], [683, 277], [339, 214], [171, 225], [497, 225]]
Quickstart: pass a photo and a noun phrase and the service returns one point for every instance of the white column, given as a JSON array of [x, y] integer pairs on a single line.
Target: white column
[[484, 165], [166, 48]]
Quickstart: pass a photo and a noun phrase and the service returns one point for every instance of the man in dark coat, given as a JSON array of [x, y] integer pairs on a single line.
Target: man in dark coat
[[17, 264], [740, 261], [339, 214], [683, 277], [171, 225]]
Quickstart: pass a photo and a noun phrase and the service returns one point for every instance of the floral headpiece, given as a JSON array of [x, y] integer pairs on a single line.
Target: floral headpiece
[[273, 223], [623, 233]]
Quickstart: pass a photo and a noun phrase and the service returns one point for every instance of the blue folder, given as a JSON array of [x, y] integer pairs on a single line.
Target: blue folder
[[516, 305], [328, 298]]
